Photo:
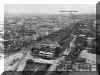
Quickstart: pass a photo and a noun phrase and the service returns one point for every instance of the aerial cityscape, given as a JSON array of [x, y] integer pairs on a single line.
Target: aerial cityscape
[[49, 39]]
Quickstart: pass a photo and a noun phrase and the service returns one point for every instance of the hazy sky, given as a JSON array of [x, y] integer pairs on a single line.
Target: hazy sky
[[48, 8]]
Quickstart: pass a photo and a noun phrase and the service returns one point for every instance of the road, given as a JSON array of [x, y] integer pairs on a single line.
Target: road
[[13, 61]]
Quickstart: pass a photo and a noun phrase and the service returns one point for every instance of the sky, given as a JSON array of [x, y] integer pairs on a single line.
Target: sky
[[48, 8]]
